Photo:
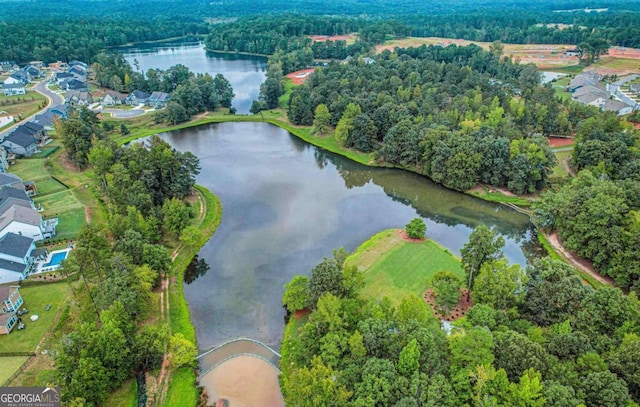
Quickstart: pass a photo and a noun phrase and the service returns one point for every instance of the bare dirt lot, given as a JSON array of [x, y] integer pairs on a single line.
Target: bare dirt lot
[[298, 77]]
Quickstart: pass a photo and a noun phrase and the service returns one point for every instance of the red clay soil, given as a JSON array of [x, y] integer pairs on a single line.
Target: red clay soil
[[403, 234], [623, 52], [298, 77], [458, 312], [301, 313], [555, 142]]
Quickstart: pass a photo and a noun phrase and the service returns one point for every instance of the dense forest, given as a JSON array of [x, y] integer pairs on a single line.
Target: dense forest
[[597, 214], [107, 337], [533, 338], [459, 115], [71, 30]]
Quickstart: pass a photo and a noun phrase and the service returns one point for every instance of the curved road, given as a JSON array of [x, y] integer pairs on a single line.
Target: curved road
[[53, 98]]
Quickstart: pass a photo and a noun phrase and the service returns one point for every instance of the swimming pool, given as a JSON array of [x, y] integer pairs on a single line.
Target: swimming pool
[[56, 259]]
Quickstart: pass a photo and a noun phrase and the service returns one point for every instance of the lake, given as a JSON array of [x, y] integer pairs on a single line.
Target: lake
[[287, 204], [245, 73]]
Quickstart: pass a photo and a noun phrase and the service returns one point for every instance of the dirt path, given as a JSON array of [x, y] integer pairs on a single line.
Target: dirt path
[[164, 301], [575, 261], [87, 214]]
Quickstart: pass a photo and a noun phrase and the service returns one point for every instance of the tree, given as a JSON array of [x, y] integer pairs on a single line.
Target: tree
[[515, 353], [483, 245], [409, 362], [296, 293], [175, 215], [346, 124], [181, 351], [190, 236], [500, 285], [604, 389], [124, 130], [624, 362], [223, 90], [326, 277], [446, 287], [149, 348], [156, 257], [321, 120], [471, 348], [174, 113], [416, 228], [317, 385]]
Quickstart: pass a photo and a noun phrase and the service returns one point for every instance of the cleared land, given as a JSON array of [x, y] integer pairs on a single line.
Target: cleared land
[[619, 61], [349, 38], [22, 105], [395, 268], [36, 298]]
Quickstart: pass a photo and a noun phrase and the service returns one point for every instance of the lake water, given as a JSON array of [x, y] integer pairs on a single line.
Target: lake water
[[245, 73], [287, 204]]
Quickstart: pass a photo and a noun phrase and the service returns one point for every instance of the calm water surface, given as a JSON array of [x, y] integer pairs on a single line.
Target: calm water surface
[[287, 204], [245, 73]]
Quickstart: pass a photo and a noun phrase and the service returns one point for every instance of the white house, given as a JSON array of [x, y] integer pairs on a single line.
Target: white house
[[24, 221], [11, 301], [13, 89], [16, 261], [11, 81]]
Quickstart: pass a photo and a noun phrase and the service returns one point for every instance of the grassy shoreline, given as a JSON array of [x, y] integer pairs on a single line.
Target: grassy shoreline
[[182, 382]]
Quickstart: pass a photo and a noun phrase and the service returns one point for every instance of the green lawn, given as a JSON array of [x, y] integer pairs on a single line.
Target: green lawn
[[57, 203], [396, 268], [10, 364], [36, 299], [560, 169], [29, 169], [22, 105], [124, 396], [70, 223], [48, 186]]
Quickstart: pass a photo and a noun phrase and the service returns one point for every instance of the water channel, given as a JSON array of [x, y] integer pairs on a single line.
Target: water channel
[[287, 204]]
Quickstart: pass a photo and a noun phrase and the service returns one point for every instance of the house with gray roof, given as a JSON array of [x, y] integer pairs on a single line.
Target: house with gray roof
[[589, 89], [593, 99], [8, 179], [78, 98], [620, 108], [137, 97], [113, 98], [32, 129], [13, 89], [74, 84], [16, 261], [20, 143], [26, 222], [10, 196], [158, 99]]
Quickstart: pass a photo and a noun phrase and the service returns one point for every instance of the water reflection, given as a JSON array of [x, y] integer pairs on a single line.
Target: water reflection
[[245, 73], [287, 204], [197, 268]]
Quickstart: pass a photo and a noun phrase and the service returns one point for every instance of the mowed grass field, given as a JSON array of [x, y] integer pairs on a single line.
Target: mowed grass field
[[56, 199], [395, 268], [10, 364], [36, 298]]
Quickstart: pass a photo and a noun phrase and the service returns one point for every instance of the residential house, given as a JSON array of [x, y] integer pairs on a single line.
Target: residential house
[[47, 118], [137, 97], [593, 99], [8, 321], [13, 89], [613, 105], [583, 90], [16, 262], [34, 130], [20, 144], [113, 98], [635, 88], [368, 60], [10, 298], [12, 81], [59, 77], [74, 84], [158, 99], [4, 160], [78, 70], [584, 79], [8, 179], [34, 72], [10, 196], [58, 66], [8, 66], [78, 63], [27, 222], [78, 98]]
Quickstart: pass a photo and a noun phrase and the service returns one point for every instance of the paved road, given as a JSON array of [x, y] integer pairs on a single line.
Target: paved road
[[53, 98]]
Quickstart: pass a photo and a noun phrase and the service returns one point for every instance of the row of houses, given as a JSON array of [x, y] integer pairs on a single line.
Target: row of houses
[[21, 225], [156, 100], [587, 88], [24, 140]]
